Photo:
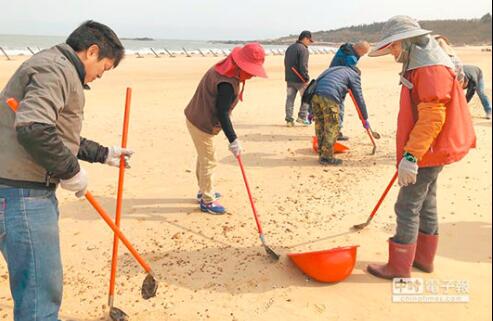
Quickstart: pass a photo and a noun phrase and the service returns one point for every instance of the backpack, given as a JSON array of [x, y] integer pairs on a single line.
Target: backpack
[[310, 89], [309, 92]]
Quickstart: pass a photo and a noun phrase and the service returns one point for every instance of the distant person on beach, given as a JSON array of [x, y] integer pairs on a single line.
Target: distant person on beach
[[434, 129], [474, 84], [470, 77], [348, 55], [331, 89], [209, 112], [444, 43], [296, 57], [40, 149]]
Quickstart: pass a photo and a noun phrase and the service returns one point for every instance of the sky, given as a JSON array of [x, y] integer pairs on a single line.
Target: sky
[[219, 19]]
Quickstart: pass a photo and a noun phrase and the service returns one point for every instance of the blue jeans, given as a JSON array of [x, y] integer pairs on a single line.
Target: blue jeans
[[482, 96], [30, 244]]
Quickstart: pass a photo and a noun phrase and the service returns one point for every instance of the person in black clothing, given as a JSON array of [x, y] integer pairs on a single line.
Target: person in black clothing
[[297, 57], [474, 83]]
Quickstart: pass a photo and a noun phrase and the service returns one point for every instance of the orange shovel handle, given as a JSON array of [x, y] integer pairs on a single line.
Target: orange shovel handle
[[119, 199], [13, 104], [380, 201], [259, 227], [298, 74], [361, 117], [118, 232], [371, 137], [356, 105]]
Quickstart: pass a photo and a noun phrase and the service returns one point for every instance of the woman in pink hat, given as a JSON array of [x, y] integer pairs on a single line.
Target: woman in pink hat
[[209, 112]]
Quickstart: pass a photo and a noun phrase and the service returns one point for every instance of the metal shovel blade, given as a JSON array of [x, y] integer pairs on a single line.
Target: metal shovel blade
[[361, 226], [118, 315], [374, 150], [149, 287], [375, 135], [273, 255]]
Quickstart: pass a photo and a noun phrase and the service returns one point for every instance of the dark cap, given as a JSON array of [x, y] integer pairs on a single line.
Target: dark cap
[[305, 34]]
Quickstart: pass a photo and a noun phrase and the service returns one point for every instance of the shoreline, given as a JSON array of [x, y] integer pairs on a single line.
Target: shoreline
[[220, 52]]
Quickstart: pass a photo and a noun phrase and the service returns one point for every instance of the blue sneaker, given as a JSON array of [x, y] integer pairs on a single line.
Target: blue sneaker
[[212, 208], [304, 122], [217, 196]]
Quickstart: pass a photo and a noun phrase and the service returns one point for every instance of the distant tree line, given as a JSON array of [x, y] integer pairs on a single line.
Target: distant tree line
[[459, 32]]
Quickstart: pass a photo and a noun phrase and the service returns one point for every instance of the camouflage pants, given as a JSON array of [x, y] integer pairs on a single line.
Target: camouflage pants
[[326, 116]]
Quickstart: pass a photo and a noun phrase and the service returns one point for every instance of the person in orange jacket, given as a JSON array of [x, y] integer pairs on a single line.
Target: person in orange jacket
[[434, 129]]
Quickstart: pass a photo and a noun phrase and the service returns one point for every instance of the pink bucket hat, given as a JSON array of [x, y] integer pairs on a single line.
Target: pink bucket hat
[[250, 58]]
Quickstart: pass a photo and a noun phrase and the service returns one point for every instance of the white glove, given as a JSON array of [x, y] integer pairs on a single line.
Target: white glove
[[408, 172], [235, 148], [114, 155], [77, 184]]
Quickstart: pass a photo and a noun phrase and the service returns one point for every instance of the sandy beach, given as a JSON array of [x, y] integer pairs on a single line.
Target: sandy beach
[[213, 268]]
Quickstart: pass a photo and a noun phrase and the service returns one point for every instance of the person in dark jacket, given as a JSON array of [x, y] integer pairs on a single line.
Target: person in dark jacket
[[331, 89], [348, 55], [474, 83], [208, 112], [297, 57], [41, 148]]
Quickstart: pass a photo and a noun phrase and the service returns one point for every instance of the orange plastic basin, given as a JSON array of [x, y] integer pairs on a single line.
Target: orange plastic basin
[[338, 147], [327, 266]]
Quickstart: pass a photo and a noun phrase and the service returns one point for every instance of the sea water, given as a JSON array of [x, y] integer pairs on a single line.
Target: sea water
[[20, 45]]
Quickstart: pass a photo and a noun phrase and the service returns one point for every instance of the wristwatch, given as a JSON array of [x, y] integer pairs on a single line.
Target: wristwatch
[[408, 156]]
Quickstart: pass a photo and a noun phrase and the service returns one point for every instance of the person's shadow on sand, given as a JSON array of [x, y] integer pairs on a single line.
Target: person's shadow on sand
[[233, 270], [222, 267], [303, 157], [10, 307], [466, 241], [151, 209], [271, 160], [261, 138]]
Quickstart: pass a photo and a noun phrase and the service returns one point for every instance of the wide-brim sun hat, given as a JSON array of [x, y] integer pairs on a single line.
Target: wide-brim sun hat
[[397, 28], [250, 58]]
